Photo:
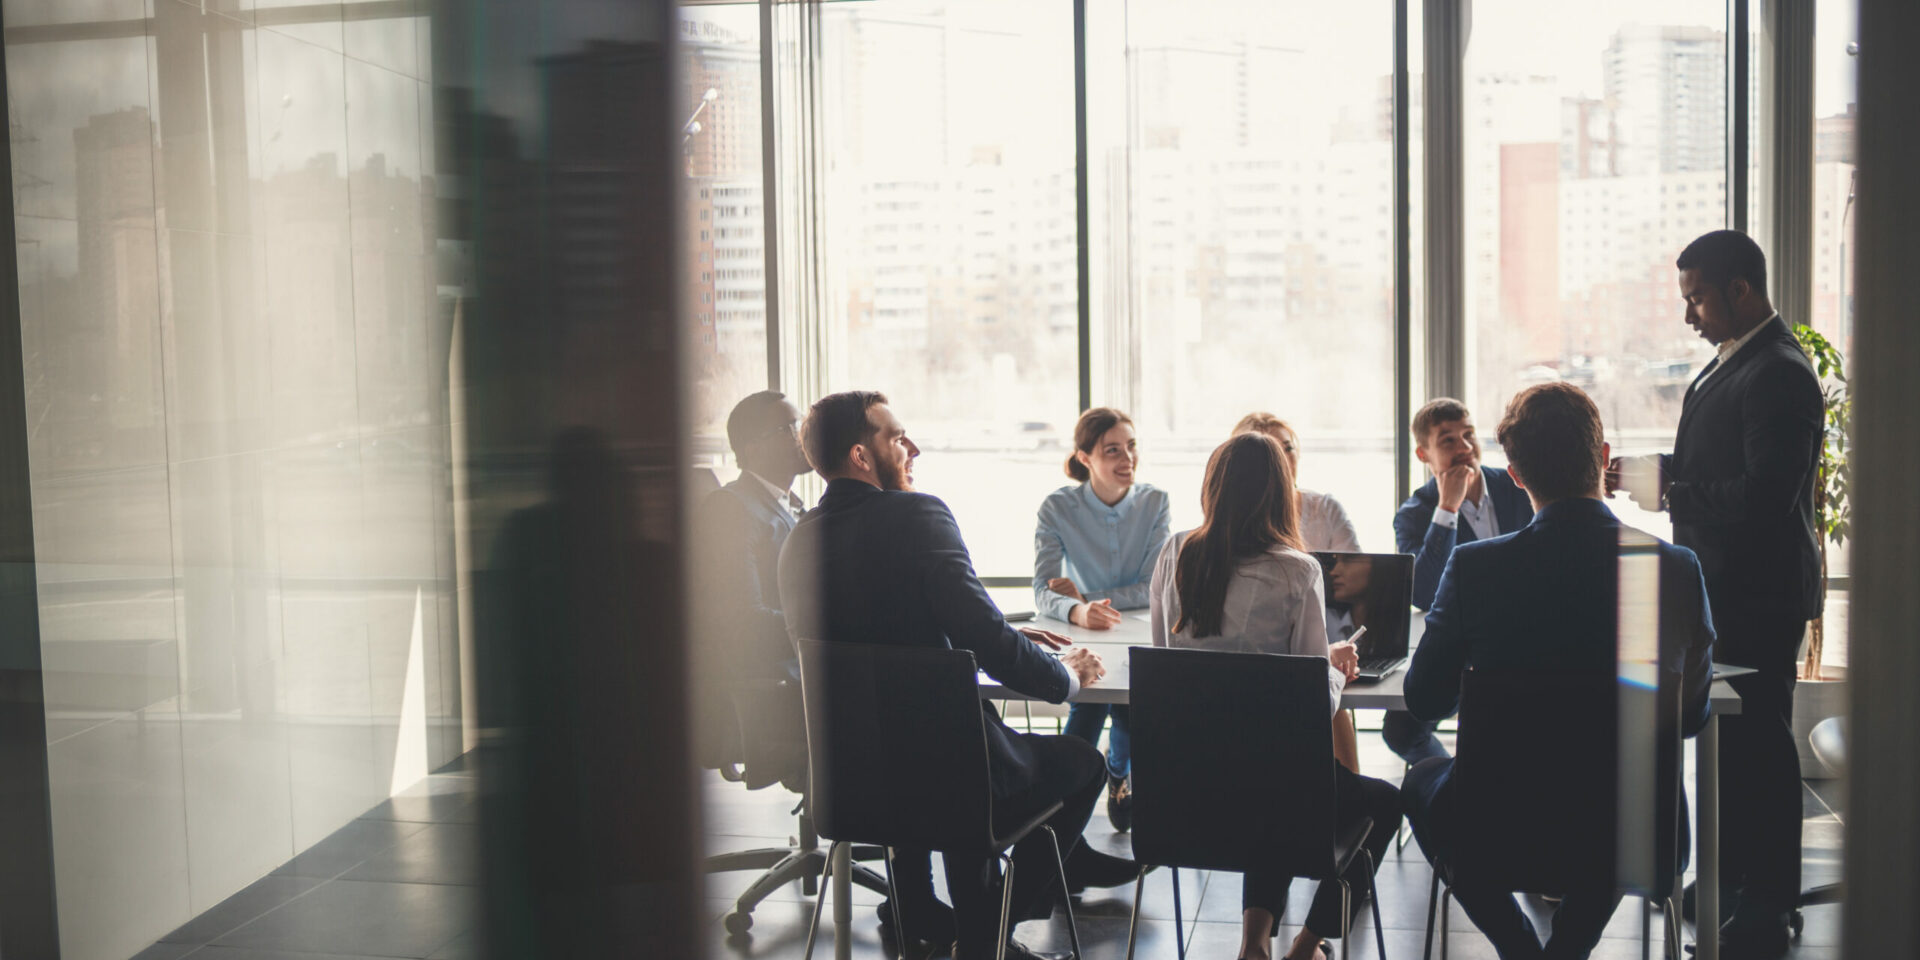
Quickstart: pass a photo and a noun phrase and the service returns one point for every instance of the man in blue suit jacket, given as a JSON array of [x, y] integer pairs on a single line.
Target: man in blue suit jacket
[[1464, 502], [875, 562], [1546, 598]]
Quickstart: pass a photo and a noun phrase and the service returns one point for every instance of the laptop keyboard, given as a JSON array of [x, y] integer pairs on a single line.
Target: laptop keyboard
[[1381, 664]]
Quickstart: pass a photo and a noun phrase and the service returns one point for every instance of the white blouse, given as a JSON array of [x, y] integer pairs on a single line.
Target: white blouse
[[1324, 524], [1275, 604]]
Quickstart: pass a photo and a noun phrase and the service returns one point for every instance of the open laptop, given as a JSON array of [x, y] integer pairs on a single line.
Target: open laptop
[[1375, 591]]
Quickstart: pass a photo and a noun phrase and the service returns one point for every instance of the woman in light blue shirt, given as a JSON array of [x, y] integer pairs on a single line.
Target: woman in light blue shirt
[[1094, 550]]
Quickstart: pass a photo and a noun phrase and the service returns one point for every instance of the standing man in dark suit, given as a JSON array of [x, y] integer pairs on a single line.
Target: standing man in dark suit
[[1547, 598], [1463, 502], [875, 562], [1739, 486]]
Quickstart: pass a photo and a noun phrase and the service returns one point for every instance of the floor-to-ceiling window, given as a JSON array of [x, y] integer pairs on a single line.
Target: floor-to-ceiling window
[[1244, 184], [1595, 142]]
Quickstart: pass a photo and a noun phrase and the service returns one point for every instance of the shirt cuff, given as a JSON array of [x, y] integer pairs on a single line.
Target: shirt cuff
[[1443, 517], [1073, 682]]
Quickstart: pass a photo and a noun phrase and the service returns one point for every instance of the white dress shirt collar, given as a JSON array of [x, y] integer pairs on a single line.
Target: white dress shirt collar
[[784, 498]]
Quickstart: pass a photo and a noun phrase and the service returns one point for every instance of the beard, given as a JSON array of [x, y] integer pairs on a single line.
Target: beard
[[893, 476]]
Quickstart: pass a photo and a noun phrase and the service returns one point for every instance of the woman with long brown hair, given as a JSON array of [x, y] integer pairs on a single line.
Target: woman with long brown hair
[[1241, 582]]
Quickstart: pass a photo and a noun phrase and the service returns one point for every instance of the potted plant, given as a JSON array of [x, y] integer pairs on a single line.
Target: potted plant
[[1822, 690]]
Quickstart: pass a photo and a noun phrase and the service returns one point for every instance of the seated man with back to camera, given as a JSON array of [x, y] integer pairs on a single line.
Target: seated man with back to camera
[[876, 562], [1546, 598], [740, 530], [1465, 501]]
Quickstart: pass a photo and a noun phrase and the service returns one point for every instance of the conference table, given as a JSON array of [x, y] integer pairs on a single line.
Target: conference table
[[1387, 694]]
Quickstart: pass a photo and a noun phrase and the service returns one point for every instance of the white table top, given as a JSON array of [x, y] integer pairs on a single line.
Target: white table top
[[1134, 631]]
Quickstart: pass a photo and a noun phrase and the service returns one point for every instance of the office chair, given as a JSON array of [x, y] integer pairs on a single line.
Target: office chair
[[1539, 759], [1233, 769], [765, 744], [897, 749]]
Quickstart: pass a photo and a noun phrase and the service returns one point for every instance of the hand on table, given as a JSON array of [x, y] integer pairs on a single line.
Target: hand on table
[[1046, 638], [1064, 587], [1098, 615], [1085, 664], [1345, 659]]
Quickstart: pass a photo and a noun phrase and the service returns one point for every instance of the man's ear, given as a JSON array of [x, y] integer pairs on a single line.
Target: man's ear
[[858, 458], [1738, 289], [1420, 451]]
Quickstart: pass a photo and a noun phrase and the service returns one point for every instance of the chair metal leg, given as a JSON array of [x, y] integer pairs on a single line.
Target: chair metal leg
[[1346, 920], [1006, 908], [1433, 905], [893, 901], [1373, 892], [1671, 916], [1446, 900], [1406, 826], [1646, 928], [1133, 925], [1066, 896], [1179, 934], [820, 903]]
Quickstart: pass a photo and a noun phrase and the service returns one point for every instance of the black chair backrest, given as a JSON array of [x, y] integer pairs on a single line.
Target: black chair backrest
[[1232, 761], [1545, 799], [898, 750]]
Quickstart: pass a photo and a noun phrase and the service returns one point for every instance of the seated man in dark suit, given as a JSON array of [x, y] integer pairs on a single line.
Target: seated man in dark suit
[[875, 562], [1463, 502], [1546, 598], [739, 532]]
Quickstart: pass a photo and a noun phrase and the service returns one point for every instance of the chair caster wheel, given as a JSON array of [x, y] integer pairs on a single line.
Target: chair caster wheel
[[1797, 922], [737, 923]]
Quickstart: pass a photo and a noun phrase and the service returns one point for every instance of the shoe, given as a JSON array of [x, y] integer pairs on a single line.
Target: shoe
[[1689, 909], [931, 925], [1091, 868], [1015, 951], [1120, 802], [1754, 936]]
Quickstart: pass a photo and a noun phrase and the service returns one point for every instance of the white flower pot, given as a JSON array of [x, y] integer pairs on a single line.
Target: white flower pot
[[1814, 701]]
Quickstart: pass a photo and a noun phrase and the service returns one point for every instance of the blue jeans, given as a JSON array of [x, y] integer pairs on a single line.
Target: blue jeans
[[1411, 738], [1084, 720]]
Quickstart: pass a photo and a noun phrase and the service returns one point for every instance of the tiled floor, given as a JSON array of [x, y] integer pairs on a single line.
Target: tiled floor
[[400, 882], [739, 819]]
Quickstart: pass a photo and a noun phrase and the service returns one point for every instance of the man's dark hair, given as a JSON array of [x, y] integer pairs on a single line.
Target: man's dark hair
[[835, 423], [751, 418], [1552, 437], [1436, 412], [1721, 256]]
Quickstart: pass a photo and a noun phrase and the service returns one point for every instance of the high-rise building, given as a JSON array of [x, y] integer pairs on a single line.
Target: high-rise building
[[1666, 86]]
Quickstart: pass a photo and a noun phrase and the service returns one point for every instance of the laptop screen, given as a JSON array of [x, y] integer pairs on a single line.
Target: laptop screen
[[1372, 590]]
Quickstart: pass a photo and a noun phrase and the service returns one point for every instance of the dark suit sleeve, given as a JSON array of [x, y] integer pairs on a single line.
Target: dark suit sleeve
[[1780, 421], [968, 616], [1697, 655], [1415, 532], [1433, 681], [731, 578]]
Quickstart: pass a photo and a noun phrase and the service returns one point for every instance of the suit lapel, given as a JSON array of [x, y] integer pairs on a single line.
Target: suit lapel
[[1773, 329]]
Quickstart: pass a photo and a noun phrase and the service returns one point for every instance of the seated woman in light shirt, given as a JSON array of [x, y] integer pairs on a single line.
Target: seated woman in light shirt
[[1324, 528], [1093, 550], [1241, 582]]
